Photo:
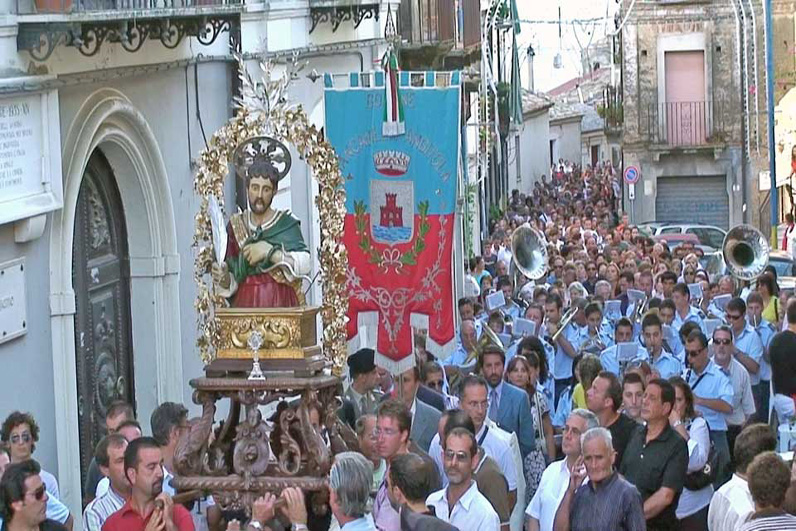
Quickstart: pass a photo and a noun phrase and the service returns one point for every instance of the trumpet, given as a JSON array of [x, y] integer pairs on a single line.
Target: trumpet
[[562, 324]]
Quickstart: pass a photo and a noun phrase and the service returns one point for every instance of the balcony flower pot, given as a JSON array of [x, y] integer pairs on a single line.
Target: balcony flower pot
[[53, 6]]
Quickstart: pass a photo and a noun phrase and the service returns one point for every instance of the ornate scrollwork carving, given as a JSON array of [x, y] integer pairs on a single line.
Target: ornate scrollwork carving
[[318, 456], [189, 454], [277, 333], [40, 39], [289, 457], [251, 445], [339, 14]]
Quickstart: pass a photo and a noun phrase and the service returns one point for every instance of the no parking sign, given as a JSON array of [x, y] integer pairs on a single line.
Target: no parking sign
[[632, 175]]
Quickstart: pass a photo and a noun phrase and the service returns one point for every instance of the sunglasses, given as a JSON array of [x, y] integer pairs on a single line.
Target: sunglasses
[[693, 353], [733, 317], [25, 438], [722, 341], [38, 493], [450, 455]]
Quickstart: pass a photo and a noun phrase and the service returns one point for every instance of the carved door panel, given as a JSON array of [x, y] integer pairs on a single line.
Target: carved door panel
[[100, 274]]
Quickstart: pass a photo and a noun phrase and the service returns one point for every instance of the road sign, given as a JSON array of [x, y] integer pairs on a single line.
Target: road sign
[[632, 175], [631, 192]]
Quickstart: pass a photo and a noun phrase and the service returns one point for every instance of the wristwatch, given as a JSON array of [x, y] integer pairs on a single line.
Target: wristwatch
[[256, 525], [299, 527], [678, 423]]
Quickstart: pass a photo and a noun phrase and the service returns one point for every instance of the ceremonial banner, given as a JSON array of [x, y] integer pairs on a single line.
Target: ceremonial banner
[[401, 196]]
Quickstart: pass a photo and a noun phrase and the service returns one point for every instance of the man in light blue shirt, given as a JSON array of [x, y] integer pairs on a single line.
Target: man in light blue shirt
[[460, 356], [663, 362], [765, 330], [666, 312], [712, 397], [623, 334], [565, 349], [511, 309], [684, 312], [748, 346]]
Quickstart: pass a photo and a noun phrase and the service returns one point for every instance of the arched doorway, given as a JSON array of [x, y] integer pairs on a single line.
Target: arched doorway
[[101, 279]]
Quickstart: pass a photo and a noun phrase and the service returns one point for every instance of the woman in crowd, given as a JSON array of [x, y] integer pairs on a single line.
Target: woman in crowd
[[692, 509]]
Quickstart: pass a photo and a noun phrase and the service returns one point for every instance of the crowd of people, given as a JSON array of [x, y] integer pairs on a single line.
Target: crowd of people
[[627, 388]]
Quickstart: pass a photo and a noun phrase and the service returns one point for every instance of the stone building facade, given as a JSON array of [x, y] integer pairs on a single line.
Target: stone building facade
[[683, 110]]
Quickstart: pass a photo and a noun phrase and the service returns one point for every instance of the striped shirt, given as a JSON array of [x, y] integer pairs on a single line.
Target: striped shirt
[[775, 522], [100, 510]]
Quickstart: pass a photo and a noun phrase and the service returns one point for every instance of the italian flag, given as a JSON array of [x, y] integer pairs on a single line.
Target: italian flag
[[393, 111]]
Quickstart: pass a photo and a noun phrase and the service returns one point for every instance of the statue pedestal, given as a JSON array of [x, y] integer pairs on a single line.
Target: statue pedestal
[[290, 341], [247, 457]]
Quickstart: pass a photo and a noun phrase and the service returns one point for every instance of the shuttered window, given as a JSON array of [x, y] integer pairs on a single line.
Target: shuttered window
[[693, 200]]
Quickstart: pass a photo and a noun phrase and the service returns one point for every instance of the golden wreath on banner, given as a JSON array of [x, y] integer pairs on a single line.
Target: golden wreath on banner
[[263, 122]]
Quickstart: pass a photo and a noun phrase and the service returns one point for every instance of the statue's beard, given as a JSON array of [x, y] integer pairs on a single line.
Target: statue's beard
[[259, 206]]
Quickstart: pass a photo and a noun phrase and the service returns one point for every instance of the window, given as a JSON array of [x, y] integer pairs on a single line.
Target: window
[[707, 236], [670, 230]]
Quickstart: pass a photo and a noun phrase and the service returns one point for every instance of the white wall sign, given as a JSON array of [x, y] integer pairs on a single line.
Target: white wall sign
[[13, 315], [30, 156]]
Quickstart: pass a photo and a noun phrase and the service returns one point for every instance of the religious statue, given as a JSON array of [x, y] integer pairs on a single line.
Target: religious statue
[[266, 256]]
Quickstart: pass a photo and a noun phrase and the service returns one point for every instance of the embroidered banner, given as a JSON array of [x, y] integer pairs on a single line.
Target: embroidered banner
[[401, 196]]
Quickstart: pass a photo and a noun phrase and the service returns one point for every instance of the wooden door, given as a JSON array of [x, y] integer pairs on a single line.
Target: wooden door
[[101, 279]]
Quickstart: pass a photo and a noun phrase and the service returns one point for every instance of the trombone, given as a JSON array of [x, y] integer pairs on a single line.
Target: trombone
[[562, 324]]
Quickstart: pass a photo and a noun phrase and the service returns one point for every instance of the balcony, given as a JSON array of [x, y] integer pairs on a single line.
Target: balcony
[[439, 33], [685, 124], [335, 12], [88, 24]]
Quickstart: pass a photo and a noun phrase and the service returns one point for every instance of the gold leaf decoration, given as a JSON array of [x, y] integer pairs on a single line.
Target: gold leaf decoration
[[263, 109]]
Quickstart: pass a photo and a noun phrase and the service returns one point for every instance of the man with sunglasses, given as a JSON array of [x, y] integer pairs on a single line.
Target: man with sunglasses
[[712, 397], [743, 403], [748, 346], [461, 504], [23, 499]]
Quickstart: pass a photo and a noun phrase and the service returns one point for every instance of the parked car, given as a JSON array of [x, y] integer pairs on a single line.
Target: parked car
[[784, 264], [708, 235], [675, 240]]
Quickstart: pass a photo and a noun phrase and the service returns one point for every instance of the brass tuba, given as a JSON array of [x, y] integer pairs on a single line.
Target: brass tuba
[[529, 252], [745, 251]]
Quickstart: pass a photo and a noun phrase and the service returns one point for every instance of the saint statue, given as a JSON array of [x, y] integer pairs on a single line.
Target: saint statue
[[266, 256]]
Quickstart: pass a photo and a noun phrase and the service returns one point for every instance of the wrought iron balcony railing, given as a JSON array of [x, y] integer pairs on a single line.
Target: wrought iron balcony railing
[[684, 124], [88, 24], [336, 12]]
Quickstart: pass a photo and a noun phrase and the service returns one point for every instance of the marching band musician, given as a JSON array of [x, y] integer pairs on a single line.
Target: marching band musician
[[593, 338], [764, 329], [683, 311], [663, 362], [565, 349], [623, 333]]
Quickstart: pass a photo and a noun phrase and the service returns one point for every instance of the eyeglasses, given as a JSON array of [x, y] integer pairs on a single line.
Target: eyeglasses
[[450, 455], [24, 437], [388, 432], [693, 353], [722, 341], [38, 493], [733, 317]]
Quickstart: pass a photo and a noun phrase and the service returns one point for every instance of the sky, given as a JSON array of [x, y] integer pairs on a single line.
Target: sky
[[574, 38]]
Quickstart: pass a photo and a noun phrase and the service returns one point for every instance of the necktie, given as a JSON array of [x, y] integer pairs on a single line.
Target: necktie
[[493, 405]]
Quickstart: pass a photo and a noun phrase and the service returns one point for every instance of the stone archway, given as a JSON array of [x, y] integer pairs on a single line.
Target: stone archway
[[108, 121]]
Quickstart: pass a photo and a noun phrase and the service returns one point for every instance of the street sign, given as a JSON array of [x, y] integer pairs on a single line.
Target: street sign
[[632, 175], [631, 192]]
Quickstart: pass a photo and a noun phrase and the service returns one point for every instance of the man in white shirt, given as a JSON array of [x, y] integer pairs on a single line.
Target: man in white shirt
[[743, 402], [461, 504], [732, 504], [541, 511]]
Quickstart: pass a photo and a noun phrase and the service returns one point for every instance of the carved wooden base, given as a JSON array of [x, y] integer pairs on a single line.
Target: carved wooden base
[[249, 456]]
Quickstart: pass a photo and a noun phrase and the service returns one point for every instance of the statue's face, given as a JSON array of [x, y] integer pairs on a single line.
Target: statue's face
[[261, 192]]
